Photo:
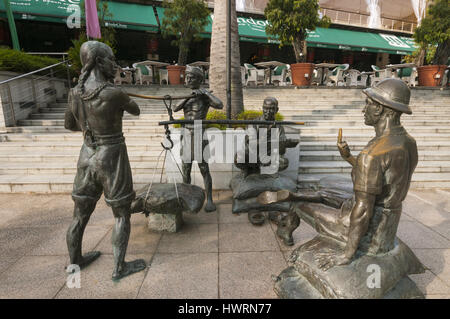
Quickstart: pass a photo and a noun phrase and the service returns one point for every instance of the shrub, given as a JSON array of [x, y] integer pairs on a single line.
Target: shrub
[[253, 115], [212, 115], [21, 62]]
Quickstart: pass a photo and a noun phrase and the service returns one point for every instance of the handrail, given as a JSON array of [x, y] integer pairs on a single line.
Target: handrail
[[33, 72], [48, 53]]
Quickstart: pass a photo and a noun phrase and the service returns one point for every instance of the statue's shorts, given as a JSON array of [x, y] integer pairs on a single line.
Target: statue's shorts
[[190, 151], [104, 168]]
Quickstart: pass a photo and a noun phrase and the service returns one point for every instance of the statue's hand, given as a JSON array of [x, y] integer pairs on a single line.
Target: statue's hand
[[344, 149], [330, 259]]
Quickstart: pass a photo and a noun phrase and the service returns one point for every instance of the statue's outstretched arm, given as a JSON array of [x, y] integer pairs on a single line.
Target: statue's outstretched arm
[[70, 122]]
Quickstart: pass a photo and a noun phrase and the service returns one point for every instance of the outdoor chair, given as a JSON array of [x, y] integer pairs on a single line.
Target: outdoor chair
[[143, 74], [243, 76], [317, 76], [408, 75], [279, 75], [336, 76], [362, 79], [254, 75], [163, 76], [351, 78], [379, 75], [123, 76]]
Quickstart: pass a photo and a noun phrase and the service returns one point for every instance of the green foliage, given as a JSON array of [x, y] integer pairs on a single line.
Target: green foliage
[[212, 115], [434, 29], [290, 19], [108, 35], [245, 115], [253, 115], [184, 19], [21, 62]]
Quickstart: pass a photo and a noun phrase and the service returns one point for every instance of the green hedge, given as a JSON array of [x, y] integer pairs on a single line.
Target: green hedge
[[245, 115], [21, 62]]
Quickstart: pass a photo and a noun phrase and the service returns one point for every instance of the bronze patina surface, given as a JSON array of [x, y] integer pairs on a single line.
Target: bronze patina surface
[[96, 108], [357, 229], [196, 108]]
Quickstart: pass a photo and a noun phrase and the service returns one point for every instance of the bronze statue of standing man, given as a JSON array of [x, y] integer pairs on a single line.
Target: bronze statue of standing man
[[196, 108], [96, 108]]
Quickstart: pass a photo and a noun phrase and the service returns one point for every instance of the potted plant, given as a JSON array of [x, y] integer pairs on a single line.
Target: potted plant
[[290, 21], [184, 19], [433, 38]]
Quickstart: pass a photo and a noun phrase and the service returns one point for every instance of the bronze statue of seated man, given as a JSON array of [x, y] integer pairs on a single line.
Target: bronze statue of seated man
[[366, 220]]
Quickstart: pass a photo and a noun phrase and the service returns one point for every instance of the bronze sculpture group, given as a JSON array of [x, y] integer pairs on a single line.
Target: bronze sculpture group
[[356, 223]]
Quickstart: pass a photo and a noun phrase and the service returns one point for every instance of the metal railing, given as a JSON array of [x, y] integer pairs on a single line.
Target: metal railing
[[31, 88], [362, 20]]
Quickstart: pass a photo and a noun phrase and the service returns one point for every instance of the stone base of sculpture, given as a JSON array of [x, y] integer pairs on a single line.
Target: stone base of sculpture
[[164, 204], [367, 277], [170, 223]]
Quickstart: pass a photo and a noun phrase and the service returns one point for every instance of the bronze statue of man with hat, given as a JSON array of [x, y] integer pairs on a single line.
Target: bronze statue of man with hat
[[381, 175]]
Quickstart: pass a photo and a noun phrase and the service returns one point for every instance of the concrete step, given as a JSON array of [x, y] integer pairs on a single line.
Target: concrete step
[[57, 183], [14, 147], [419, 180], [359, 145], [316, 156], [324, 167]]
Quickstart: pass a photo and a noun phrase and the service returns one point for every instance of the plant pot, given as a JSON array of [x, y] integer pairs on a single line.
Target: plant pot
[[431, 75], [302, 73], [176, 73]]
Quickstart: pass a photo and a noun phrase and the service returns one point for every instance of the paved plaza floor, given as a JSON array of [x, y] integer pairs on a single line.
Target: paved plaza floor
[[215, 255]]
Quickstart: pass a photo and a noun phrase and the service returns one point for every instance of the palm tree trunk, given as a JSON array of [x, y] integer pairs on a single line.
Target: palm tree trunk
[[217, 68]]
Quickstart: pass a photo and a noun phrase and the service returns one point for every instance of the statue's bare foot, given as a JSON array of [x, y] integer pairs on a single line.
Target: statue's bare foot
[[129, 268], [256, 218], [88, 259], [210, 207], [286, 236], [273, 197]]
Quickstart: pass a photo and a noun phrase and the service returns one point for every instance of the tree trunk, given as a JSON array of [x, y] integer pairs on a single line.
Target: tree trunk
[[183, 53], [419, 61], [299, 50], [442, 53], [218, 53]]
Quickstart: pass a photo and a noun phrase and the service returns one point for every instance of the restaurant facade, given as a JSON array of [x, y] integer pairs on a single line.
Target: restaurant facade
[[50, 25]]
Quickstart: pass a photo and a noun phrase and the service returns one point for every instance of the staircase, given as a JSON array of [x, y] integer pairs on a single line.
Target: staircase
[[39, 155]]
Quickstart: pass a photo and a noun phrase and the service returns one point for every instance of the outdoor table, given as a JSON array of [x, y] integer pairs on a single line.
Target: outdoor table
[[400, 66], [324, 66], [270, 65], [203, 65], [154, 65]]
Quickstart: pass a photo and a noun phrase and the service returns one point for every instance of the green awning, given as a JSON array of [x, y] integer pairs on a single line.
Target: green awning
[[123, 15], [254, 30], [359, 41]]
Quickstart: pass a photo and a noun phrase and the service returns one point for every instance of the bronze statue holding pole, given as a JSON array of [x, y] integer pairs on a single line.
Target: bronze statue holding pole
[[96, 108]]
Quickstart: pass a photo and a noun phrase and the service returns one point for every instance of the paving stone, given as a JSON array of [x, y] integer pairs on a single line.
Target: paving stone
[[34, 277], [182, 276], [201, 217], [142, 241], [429, 284], [240, 237], [437, 296], [96, 281], [437, 260], [416, 235], [192, 238], [55, 243], [16, 242], [226, 216], [439, 199], [256, 282]]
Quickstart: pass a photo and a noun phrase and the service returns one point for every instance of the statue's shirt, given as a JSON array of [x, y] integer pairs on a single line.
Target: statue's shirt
[[385, 166]]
